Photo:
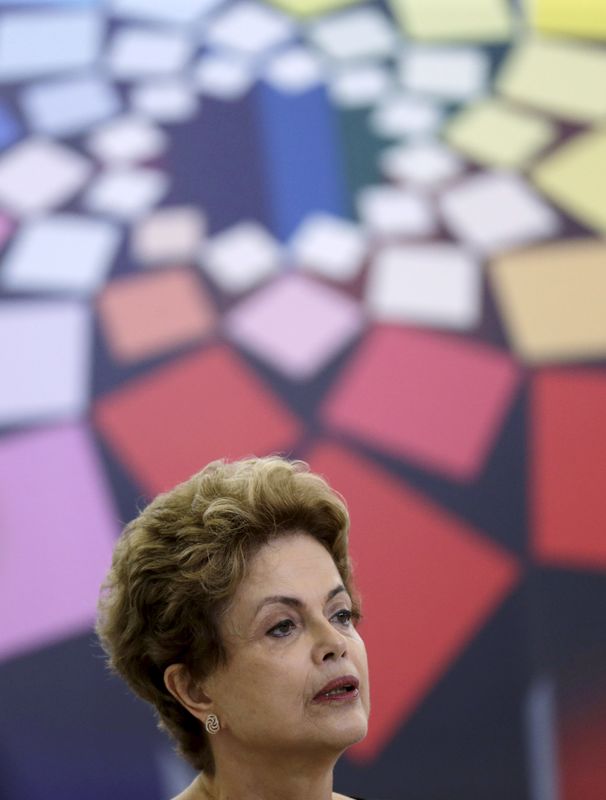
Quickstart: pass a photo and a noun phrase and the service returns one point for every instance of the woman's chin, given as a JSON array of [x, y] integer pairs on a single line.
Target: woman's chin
[[349, 733]]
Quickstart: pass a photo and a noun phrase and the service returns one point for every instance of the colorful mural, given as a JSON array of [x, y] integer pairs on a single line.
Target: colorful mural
[[366, 234]]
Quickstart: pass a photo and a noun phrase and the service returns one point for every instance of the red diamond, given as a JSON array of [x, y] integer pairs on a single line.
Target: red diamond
[[170, 423], [434, 399], [568, 455], [429, 582]]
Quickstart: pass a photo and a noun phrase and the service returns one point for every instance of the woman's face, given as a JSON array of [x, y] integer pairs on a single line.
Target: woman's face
[[289, 634]]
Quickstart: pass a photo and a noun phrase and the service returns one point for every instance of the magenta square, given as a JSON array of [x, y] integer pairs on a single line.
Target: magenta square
[[58, 529]]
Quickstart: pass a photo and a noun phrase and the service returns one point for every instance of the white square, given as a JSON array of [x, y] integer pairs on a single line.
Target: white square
[[141, 52], [68, 107], [45, 350], [450, 73], [240, 257], [403, 115], [176, 12], [34, 43], [425, 164], [168, 101], [226, 76], [173, 234], [330, 246], [357, 34], [37, 175], [438, 285], [127, 139], [360, 85], [391, 211], [126, 193], [294, 70], [63, 253], [492, 211], [249, 28]]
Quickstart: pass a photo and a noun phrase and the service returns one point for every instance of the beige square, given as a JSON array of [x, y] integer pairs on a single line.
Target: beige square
[[169, 235], [553, 300]]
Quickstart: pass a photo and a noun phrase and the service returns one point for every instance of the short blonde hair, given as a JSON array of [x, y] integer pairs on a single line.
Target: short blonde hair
[[177, 565]]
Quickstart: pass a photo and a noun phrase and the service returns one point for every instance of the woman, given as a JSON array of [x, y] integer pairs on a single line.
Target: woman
[[230, 607]]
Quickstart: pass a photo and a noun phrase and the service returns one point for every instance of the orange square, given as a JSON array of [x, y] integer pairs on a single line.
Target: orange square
[[146, 315]]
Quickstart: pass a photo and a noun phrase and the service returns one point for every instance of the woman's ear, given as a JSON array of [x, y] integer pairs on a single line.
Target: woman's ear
[[187, 691]]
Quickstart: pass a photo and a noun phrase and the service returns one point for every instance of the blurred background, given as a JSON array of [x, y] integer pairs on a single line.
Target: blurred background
[[366, 234]]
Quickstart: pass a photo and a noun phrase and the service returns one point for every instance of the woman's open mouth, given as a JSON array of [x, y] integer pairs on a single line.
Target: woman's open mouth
[[339, 690]]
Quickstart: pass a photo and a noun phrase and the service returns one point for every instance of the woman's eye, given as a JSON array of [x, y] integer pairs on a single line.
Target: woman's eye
[[281, 629], [343, 617]]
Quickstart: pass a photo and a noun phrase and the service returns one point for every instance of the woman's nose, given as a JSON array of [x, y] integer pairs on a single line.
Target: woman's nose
[[330, 644]]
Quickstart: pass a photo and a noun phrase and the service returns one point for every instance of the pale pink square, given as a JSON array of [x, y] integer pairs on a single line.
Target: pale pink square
[[295, 324], [58, 529]]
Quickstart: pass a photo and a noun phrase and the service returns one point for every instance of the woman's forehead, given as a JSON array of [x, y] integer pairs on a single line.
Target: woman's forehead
[[295, 561]]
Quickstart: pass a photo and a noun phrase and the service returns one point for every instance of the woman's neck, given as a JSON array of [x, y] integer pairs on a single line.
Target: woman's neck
[[269, 778]]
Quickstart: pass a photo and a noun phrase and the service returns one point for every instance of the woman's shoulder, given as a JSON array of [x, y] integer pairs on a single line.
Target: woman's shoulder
[[346, 797]]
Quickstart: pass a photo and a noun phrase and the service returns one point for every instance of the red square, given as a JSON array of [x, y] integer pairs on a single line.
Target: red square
[[434, 399], [568, 465], [170, 423]]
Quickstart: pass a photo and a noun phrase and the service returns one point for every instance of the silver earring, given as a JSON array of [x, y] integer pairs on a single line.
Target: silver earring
[[212, 724]]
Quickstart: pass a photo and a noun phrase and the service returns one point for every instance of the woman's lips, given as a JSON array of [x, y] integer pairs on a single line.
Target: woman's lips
[[339, 690], [344, 697]]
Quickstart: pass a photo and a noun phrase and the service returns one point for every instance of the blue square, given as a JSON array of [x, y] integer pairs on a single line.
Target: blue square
[[10, 129]]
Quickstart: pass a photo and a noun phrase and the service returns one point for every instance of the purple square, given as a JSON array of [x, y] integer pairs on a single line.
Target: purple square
[[295, 324], [58, 530], [7, 227]]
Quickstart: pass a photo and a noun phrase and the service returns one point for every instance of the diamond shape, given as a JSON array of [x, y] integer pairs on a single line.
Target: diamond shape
[[568, 448], [492, 211], [57, 549], [147, 315], [433, 284], [429, 582], [61, 252], [435, 400], [46, 377], [329, 245], [37, 175], [241, 256], [295, 324], [170, 423]]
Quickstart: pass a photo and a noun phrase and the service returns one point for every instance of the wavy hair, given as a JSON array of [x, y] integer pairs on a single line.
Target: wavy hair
[[178, 564]]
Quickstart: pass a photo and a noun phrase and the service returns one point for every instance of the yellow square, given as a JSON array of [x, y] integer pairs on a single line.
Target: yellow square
[[494, 133], [565, 78], [574, 177], [307, 8], [553, 298], [467, 20], [569, 17]]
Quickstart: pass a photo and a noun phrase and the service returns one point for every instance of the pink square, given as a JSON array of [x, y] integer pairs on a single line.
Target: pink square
[[436, 400], [146, 315], [7, 227], [295, 324], [58, 530]]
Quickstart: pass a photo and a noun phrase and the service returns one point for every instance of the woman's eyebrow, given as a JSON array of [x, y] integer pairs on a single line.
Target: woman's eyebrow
[[295, 602]]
